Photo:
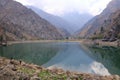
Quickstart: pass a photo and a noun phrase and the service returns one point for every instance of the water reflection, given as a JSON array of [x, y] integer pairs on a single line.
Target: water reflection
[[68, 56], [108, 56], [37, 53], [73, 57]]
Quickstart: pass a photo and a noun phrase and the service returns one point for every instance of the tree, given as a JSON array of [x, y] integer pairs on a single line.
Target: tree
[[101, 29], [0, 38], [94, 33]]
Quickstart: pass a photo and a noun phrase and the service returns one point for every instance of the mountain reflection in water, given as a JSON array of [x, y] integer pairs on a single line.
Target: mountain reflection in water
[[108, 56], [73, 57]]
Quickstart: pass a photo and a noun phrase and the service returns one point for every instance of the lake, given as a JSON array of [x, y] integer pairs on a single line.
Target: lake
[[71, 56]]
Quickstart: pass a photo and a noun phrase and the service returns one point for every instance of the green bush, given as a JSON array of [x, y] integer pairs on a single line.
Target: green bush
[[97, 36], [27, 71], [118, 36]]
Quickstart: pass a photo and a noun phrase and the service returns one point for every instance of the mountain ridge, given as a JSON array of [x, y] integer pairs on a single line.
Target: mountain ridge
[[23, 23], [57, 21], [92, 26]]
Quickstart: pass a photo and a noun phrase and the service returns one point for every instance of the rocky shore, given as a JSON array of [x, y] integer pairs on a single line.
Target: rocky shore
[[18, 70], [99, 42]]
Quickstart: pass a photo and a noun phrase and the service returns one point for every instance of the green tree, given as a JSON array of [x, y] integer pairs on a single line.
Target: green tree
[[101, 29]]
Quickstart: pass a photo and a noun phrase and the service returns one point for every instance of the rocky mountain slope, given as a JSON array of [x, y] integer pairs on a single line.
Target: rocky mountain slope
[[101, 22], [111, 27], [58, 22], [19, 22]]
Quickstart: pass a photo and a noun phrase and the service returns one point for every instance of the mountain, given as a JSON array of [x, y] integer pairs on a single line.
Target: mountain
[[99, 22], [55, 20], [110, 30], [18, 22], [77, 19]]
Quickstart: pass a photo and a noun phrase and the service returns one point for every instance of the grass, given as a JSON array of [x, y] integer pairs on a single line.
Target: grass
[[27, 71], [46, 75]]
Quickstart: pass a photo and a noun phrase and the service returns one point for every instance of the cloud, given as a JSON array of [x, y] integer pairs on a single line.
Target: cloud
[[61, 7], [98, 6]]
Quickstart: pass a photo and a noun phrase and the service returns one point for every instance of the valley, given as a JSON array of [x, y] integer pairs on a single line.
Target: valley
[[38, 45]]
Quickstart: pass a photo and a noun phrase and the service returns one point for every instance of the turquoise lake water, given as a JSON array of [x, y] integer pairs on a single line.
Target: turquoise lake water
[[71, 56]]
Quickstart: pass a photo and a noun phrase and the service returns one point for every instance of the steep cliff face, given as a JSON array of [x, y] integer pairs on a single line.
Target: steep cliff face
[[94, 25], [19, 22]]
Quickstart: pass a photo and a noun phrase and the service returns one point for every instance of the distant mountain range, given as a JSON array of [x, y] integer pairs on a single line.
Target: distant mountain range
[[18, 22], [69, 22], [77, 19], [58, 22], [107, 23]]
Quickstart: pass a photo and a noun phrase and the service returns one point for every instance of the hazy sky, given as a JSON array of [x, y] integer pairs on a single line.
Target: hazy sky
[[60, 7]]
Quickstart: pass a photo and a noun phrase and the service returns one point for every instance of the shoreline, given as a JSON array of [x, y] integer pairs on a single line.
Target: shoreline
[[34, 72], [19, 70], [100, 43], [82, 41], [40, 41]]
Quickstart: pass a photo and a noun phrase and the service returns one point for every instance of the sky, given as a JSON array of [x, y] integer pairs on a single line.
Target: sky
[[61, 7]]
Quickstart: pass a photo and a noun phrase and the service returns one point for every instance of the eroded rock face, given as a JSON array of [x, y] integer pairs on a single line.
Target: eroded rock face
[[20, 22]]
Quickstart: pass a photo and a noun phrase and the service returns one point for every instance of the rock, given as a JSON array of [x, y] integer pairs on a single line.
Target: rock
[[68, 73], [29, 66], [35, 78], [60, 71], [68, 78], [14, 72], [38, 67], [14, 69], [7, 74], [14, 62], [116, 77], [75, 77], [23, 76], [54, 71], [111, 77]]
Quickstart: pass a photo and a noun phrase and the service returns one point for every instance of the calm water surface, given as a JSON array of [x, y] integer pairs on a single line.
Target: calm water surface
[[68, 56]]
